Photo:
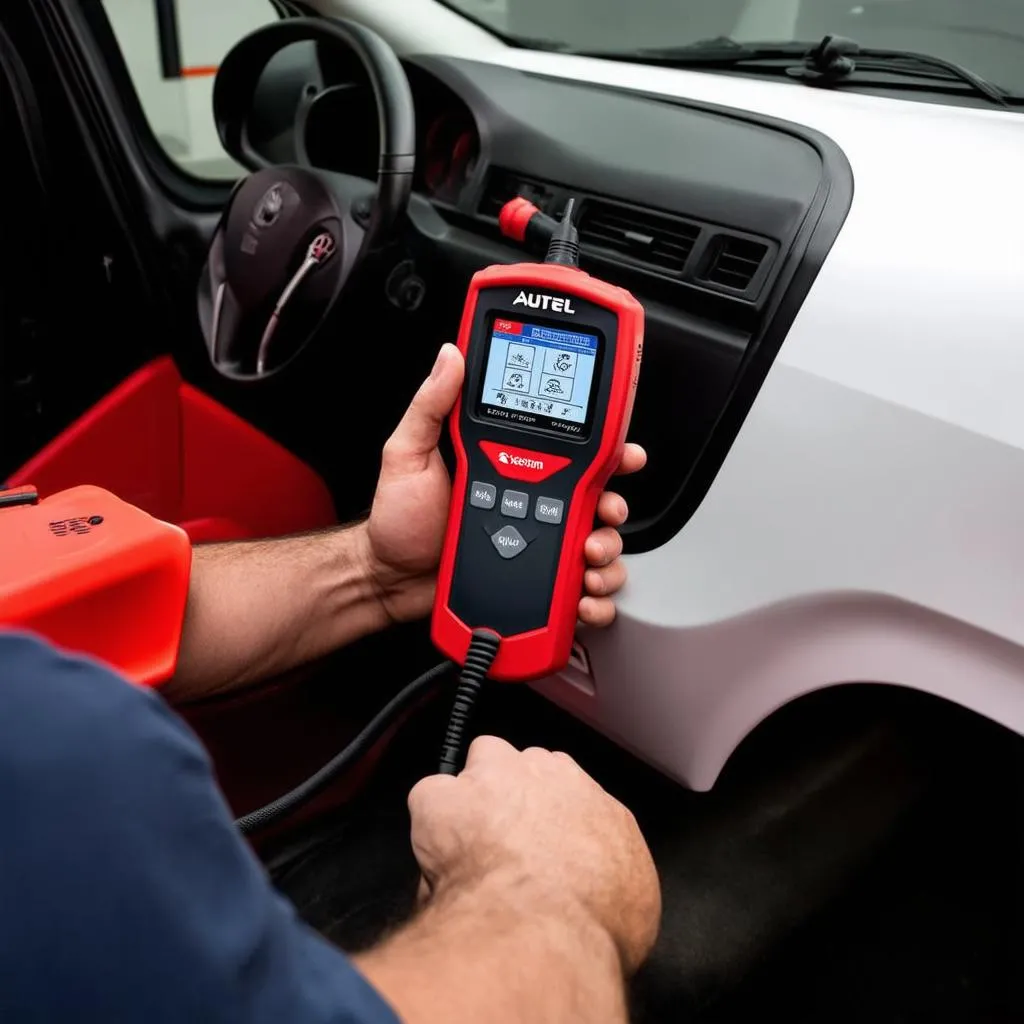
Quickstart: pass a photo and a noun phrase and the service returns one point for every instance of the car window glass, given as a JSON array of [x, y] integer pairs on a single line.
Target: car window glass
[[986, 36], [172, 49]]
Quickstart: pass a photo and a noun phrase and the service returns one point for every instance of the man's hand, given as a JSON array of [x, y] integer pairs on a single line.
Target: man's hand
[[259, 609], [540, 897], [410, 510], [536, 823]]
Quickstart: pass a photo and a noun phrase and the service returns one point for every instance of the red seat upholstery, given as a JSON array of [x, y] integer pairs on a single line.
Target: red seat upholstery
[[167, 448]]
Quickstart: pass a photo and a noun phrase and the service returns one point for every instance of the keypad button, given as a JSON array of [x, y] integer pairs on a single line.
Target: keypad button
[[509, 542], [482, 495], [515, 504], [549, 510]]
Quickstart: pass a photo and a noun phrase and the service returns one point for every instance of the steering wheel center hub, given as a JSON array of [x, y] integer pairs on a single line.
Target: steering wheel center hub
[[268, 230], [292, 236]]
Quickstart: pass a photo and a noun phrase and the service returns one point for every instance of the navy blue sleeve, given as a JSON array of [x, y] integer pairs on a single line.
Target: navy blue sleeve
[[126, 894]]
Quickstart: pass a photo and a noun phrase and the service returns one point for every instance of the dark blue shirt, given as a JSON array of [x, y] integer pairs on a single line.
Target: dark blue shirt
[[126, 894]]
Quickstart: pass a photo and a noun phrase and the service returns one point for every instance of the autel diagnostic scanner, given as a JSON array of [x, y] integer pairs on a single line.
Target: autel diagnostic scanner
[[552, 363]]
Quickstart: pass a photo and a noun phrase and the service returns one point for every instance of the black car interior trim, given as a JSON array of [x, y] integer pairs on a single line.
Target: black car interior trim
[[723, 219], [715, 211], [770, 195]]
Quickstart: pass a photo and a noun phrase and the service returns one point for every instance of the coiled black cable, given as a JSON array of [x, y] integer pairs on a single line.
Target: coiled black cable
[[483, 649], [374, 729]]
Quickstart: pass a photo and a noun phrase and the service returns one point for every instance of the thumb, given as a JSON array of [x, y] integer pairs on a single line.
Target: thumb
[[419, 431]]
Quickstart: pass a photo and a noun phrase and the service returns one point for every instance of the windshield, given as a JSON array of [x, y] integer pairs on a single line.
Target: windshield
[[986, 36]]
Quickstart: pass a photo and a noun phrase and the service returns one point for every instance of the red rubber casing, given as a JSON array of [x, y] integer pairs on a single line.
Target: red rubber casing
[[539, 652]]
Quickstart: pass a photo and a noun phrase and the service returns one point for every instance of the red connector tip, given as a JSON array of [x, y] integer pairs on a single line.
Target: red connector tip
[[515, 216]]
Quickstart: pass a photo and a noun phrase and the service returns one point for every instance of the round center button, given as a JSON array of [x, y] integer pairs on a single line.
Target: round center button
[[509, 542]]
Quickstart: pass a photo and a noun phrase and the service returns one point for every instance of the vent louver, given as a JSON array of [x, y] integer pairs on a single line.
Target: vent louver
[[734, 262], [645, 239], [505, 185]]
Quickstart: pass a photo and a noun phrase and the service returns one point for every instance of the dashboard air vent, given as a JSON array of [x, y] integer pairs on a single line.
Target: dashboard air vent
[[734, 262], [505, 185], [650, 240]]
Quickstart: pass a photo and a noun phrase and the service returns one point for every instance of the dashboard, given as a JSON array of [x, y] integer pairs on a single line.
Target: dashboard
[[339, 131], [715, 219], [823, 543]]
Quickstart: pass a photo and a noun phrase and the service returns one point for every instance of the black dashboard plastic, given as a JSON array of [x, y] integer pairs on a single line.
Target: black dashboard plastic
[[782, 189], [687, 160]]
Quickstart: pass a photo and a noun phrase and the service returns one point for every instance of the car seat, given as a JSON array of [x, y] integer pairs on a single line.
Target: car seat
[[162, 445]]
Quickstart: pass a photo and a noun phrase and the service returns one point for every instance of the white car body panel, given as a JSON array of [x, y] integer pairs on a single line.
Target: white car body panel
[[868, 523]]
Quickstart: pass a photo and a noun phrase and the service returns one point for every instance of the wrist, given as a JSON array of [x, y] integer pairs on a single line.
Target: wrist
[[353, 587], [372, 572], [452, 961], [402, 595], [541, 914]]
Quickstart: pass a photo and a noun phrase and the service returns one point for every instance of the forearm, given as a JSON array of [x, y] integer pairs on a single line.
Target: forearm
[[257, 609], [494, 953]]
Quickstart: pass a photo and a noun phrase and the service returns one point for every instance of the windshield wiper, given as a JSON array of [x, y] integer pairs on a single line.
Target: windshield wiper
[[722, 50], [833, 60]]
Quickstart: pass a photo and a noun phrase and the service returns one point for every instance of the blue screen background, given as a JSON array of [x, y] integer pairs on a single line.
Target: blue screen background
[[540, 370]]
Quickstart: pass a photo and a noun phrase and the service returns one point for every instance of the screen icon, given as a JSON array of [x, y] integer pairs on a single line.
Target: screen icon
[[560, 362], [520, 357], [556, 387], [516, 380]]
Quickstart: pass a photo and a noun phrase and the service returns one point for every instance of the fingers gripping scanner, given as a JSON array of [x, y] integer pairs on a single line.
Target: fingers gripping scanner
[[552, 363]]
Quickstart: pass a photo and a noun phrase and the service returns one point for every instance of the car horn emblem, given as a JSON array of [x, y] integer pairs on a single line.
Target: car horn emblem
[[268, 209], [321, 249], [318, 252]]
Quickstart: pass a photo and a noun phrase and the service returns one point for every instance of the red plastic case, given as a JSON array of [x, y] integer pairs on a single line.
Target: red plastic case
[[96, 576]]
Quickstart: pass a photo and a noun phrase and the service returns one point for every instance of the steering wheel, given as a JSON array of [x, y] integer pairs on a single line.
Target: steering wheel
[[291, 237]]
